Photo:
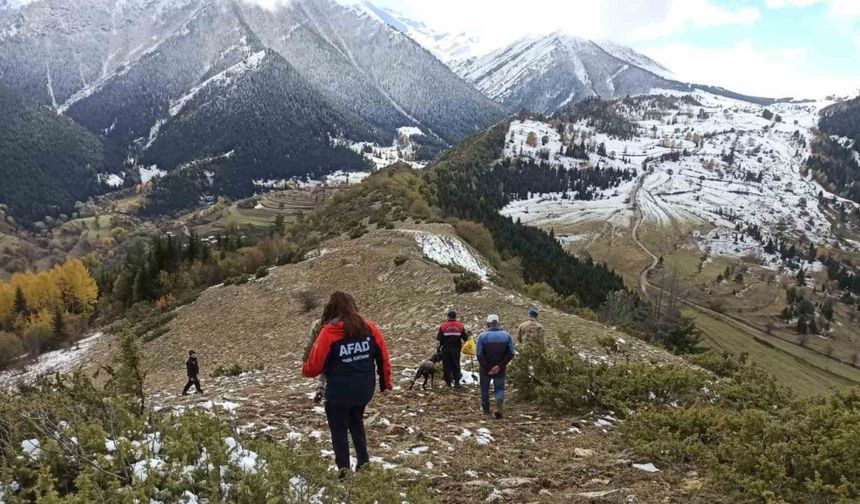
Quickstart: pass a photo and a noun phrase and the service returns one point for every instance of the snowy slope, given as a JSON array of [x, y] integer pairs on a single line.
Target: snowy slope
[[763, 186], [447, 47], [634, 58], [546, 73]]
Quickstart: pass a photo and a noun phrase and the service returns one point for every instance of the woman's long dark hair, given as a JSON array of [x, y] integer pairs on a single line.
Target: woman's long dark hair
[[341, 306]]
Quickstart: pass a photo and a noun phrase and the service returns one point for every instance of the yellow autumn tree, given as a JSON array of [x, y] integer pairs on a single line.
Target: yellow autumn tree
[[7, 302], [68, 287], [77, 289], [40, 290]]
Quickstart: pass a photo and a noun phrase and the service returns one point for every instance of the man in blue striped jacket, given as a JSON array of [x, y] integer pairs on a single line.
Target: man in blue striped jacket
[[495, 350]]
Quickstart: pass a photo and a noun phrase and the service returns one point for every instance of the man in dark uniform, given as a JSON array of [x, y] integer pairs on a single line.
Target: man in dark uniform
[[452, 334], [192, 368]]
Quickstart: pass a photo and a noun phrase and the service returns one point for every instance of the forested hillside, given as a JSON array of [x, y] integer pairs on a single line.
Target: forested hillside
[[47, 162], [843, 119], [836, 153], [464, 183], [279, 127]]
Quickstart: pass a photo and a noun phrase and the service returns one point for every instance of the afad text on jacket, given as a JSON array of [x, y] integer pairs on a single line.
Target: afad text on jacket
[[349, 364]]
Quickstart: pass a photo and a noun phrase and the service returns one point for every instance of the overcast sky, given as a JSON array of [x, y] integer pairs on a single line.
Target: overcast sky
[[807, 48]]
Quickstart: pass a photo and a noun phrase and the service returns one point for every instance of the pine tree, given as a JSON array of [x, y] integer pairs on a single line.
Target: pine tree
[[58, 326], [801, 278], [138, 289], [192, 251], [19, 307]]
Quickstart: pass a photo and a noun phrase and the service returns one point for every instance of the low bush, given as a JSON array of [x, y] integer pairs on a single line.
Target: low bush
[[771, 449], [357, 232], [11, 347], [155, 334], [234, 370], [720, 363], [153, 322], [70, 440], [467, 282], [545, 294], [478, 236], [39, 339], [752, 439], [238, 280], [307, 299], [564, 381]]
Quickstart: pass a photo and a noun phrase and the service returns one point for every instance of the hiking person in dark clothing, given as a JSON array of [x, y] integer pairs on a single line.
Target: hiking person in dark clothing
[[452, 334], [495, 350], [350, 352], [192, 368]]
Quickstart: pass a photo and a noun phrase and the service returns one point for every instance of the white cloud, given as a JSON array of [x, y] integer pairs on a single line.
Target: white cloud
[[845, 8], [778, 4], [744, 69], [687, 14], [498, 22]]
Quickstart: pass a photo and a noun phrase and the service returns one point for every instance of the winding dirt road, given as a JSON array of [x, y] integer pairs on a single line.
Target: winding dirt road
[[639, 218], [756, 332]]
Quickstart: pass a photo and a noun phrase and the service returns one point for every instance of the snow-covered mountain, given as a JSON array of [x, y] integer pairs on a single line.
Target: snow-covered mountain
[[448, 47], [132, 71], [546, 73], [62, 55]]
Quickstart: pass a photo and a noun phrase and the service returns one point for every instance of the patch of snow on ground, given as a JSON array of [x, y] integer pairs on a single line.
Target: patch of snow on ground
[[111, 179], [147, 174], [451, 251], [226, 405], [484, 437], [32, 448], [59, 361], [143, 468], [649, 467], [409, 131], [401, 150]]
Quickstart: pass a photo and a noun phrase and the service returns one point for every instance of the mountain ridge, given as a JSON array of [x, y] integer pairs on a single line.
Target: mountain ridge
[[124, 68], [545, 73]]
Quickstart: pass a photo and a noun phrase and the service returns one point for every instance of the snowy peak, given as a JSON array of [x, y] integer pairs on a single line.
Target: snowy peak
[[548, 72], [634, 58], [447, 47]]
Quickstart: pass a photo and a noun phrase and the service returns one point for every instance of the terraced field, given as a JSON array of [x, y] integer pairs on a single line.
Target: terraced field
[[291, 204]]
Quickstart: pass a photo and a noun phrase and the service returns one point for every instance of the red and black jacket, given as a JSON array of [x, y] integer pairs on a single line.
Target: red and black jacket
[[452, 334], [350, 365]]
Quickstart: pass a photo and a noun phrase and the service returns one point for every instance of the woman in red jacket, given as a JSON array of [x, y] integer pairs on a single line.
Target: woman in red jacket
[[350, 351]]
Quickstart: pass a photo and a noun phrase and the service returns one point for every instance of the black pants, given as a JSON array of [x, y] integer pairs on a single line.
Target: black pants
[[344, 421], [192, 380], [451, 365]]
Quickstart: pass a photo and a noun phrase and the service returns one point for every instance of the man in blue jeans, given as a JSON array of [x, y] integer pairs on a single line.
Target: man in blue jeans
[[495, 350]]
